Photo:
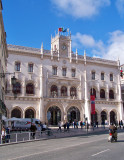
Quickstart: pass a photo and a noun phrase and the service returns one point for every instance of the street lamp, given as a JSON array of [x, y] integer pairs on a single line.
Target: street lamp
[[13, 81]]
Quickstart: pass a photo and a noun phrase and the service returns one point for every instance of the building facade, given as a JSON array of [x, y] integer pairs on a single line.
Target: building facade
[[122, 84], [3, 63], [56, 85]]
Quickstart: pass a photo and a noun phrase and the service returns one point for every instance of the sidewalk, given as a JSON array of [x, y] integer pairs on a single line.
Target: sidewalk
[[79, 131], [21, 137]]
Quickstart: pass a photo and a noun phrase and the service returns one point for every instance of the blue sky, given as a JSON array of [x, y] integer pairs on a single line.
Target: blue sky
[[97, 26]]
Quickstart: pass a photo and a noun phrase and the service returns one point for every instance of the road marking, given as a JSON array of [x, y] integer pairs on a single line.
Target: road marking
[[55, 149], [101, 152]]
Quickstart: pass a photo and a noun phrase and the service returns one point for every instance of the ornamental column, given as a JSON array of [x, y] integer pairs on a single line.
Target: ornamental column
[[41, 104]]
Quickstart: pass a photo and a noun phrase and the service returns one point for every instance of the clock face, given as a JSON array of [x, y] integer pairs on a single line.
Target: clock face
[[63, 46]]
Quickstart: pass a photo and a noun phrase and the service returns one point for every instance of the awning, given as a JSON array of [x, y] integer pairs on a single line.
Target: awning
[[3, 117]]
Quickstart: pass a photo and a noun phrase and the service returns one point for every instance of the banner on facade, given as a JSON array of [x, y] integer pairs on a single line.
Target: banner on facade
[[92, 98]]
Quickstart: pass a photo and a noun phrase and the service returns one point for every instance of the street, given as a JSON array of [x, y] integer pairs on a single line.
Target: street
[[87, 147]]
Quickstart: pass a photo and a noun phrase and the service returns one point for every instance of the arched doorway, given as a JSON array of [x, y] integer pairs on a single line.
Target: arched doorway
[[29, 113], [94, 118], [55, 115], [16, 113], [103, 117], [113, 117], [73, 114]]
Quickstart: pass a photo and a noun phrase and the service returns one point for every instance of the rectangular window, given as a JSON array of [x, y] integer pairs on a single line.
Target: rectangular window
[[73, 72], [102, 76], [93, 75], [54, 70], [111, 77], [64, 71], [17, 66], [30, 67]]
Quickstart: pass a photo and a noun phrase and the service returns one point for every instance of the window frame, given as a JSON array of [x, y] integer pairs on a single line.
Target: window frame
[[31, 90], [102, 76], [73, 72], [64, 71], [111, 77], [93, 75], [30, 67], [54, 70], [17, 66]]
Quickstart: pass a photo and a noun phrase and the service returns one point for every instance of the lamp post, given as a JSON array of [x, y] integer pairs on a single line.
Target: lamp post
[[13, 81], [2, 105]]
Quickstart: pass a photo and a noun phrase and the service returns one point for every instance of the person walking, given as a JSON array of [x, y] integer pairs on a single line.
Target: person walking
[[64, 127], [81, 124], [39, 129], [33, 129], [68, 126], [60, 125], [120, 124], [77, 124], [7, 134], [3, 135]]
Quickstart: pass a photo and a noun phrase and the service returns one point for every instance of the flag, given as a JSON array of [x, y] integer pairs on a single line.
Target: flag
[[92, 104], [66, 30], [63, 30], [60, 29]]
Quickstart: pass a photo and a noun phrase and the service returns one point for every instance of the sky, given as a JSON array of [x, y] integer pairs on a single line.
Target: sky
[[96, 26]]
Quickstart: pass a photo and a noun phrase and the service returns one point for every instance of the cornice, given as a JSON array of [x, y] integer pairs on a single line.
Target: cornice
[[64, 100], [22, 98], [14, 49]]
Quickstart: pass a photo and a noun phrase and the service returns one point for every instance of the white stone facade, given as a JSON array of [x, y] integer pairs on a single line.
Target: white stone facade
[[70, 96], [3, 63]]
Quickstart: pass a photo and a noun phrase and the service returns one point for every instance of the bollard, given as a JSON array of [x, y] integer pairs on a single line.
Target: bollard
[[29, 136], [16, 137], [1, 139]]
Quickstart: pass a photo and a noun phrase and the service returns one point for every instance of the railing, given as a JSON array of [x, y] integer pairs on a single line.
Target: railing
[[19, 137], [24, 136]]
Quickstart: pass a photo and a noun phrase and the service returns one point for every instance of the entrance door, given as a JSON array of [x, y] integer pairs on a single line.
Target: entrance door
[[73, 114], [94, 118], [55, 115], [112, 117]]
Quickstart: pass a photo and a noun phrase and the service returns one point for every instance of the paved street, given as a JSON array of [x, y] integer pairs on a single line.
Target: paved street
[[87, 147]]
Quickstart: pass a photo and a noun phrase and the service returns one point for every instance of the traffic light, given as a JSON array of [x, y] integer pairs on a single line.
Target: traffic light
[[121, 73]]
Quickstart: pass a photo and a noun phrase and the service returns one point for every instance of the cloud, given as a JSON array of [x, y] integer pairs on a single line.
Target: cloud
[[115, 48], [112, 49], [80, 8], [87, 41], [120, 6]]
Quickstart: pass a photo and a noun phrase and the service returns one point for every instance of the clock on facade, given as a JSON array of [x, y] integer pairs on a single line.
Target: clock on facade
[[63, 46]]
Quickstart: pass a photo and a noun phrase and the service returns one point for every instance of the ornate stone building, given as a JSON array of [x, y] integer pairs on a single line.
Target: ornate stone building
[[3, 64], [56, 85]]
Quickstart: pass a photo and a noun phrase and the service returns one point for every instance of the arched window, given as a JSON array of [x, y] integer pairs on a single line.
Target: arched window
[[17, 66], [103, 117], [17, 88], [29, 113], [93, 75], [111, 94], [102, 93], [73, 91], [93, 92], [30, 88], [54, 91], [16, 113], [63, 91], [113, 117]]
